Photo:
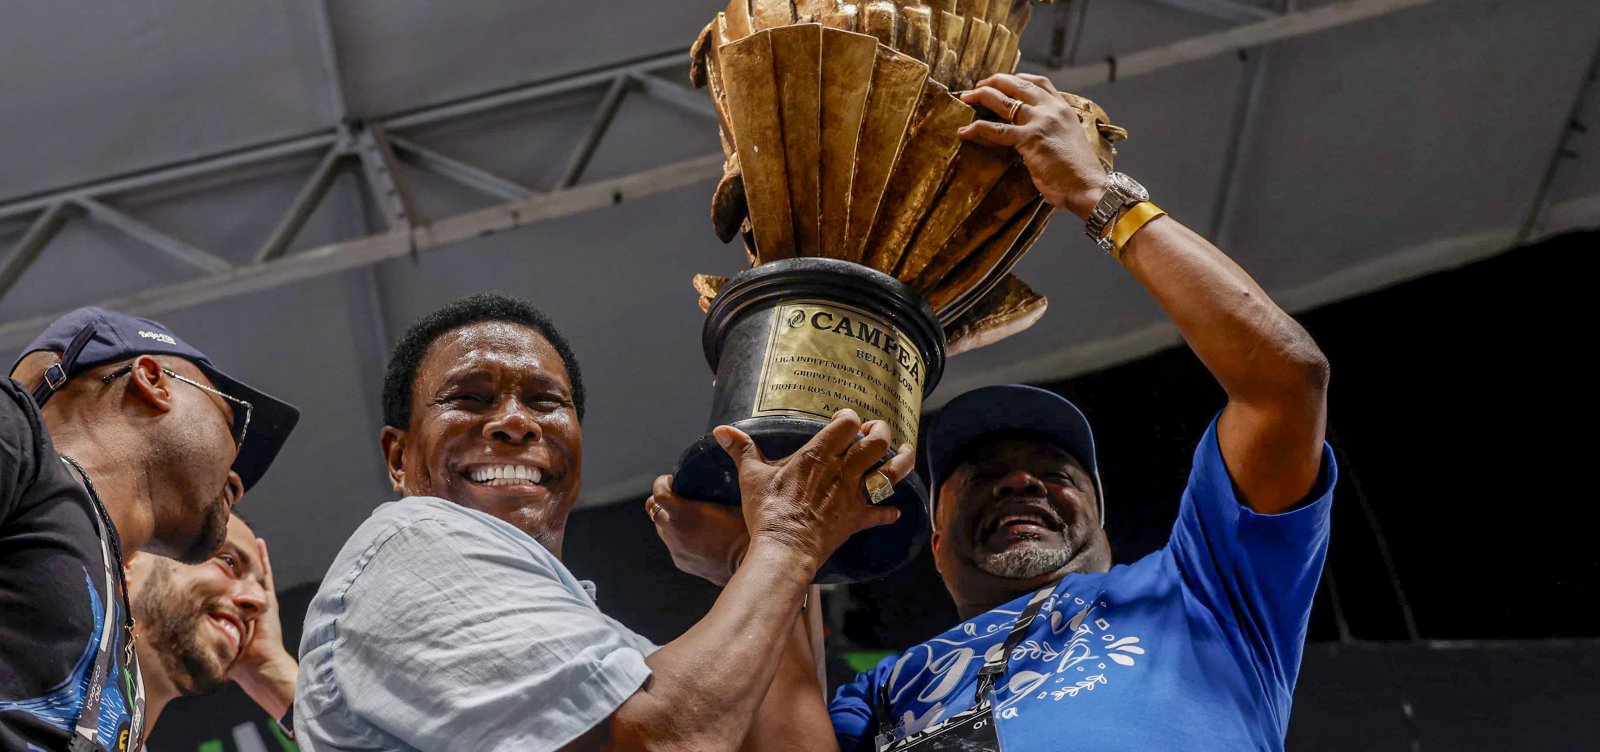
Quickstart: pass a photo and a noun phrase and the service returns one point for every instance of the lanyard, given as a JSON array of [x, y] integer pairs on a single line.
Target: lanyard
[[86, 730], [974, 725], [996, 666]]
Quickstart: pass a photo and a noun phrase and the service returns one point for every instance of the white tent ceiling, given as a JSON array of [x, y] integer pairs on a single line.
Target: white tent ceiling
[[152, 147]]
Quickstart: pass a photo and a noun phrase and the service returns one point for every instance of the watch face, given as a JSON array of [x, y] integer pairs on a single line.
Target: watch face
[[1130, 186]]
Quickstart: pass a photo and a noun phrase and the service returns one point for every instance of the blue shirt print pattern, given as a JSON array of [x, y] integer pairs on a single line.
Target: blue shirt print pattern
[[61, 706], [1196, 646]]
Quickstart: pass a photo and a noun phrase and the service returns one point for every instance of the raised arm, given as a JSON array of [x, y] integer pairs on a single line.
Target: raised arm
[[1271, 432], [265, 669], [705, 687]]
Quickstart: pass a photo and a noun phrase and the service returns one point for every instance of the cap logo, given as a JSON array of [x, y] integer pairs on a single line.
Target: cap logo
[[159, 337]]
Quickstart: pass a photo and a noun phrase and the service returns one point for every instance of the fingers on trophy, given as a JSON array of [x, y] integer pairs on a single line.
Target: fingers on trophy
[[879, 241]]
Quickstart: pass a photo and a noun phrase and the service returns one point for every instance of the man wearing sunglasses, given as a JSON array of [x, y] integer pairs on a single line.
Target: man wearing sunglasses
[[115, 437]]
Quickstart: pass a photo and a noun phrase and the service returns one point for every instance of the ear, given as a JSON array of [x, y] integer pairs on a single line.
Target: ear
[[393, 442], [935, 541], [149, 384]]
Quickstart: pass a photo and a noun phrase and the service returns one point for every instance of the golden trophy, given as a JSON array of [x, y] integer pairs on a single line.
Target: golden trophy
[[879, 241]]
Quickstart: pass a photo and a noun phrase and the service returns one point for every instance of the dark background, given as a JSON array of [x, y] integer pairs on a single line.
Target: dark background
[[1458, 608]]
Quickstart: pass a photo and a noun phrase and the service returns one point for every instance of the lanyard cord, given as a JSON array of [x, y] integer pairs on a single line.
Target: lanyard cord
[[88, 717], [987, 674], [996, 667], [105, 520]]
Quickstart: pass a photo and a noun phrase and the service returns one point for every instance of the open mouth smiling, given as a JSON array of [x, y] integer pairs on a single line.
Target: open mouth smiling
[[499, 475], [1021, 521], [232, 629]]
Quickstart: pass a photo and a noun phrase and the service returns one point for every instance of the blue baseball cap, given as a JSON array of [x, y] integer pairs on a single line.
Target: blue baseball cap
[[1004, 408], [89, 337]]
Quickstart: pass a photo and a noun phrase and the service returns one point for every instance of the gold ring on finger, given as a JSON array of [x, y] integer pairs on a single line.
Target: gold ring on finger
[[1016, 107], [653, 509], [879, 487]]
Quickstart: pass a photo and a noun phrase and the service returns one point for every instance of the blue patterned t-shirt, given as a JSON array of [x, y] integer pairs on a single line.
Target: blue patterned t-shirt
[[1196, 646]]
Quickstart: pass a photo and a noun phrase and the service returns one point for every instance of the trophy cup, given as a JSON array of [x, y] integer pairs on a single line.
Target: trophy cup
[[879, 242]]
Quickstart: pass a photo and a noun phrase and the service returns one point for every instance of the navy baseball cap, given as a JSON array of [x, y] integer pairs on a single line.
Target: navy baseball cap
[[89, 337], [1008, 407]]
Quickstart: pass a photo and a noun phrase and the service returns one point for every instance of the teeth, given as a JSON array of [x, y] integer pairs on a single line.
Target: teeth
[[506, 475], [231, 630], [1032, 519]]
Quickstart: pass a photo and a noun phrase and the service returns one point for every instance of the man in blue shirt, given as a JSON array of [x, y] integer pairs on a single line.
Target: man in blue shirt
[[1196, 646]]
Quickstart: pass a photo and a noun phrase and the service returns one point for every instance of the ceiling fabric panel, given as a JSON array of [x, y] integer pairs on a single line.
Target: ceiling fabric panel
[[1384, 149]]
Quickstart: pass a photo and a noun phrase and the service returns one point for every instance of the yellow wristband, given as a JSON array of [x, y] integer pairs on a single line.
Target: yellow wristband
[[1130, 223]]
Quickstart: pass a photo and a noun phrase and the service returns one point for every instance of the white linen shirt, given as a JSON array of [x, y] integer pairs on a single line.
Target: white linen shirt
[[439, 627]]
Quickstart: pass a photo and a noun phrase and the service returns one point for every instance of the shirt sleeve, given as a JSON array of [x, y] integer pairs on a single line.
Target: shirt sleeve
[[853, 710], [452, 639], [19, 446], [1255, 572]]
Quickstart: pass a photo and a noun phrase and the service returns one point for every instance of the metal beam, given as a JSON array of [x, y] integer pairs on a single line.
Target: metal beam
[[366, 251], [1283, 27], [39, 234], [471, 176], [382, 171], [1570, 129], [523, 94], [598, 125], [330, 60], [170, 173], [1245, 106], [1222, 10], [322, 139], [154, 238], [1249, 97], [677, 95], [305, 203]]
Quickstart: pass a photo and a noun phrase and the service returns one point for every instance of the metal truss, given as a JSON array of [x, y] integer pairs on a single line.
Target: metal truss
[[370, 147], [376, 147], [1565, 150]]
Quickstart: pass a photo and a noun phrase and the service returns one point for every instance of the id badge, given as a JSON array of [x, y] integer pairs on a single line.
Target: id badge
[[971, 731]]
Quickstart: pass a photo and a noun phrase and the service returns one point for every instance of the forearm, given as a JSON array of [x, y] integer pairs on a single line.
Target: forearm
[[794, 714], [705, 686], [1256, 351], [1276, 378]]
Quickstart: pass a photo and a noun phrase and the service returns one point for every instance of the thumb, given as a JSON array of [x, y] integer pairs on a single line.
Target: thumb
[[877, 516], [738, 445]]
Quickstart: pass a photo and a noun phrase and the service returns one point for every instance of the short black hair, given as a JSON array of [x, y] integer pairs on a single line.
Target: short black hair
[[413, 346]]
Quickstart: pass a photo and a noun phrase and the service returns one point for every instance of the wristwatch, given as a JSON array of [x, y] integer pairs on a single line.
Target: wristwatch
[[1121, 191]]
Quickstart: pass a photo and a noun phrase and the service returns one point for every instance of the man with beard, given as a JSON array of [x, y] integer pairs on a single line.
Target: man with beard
[[1196, 646], [119, 438], [200, 625], [448, 621]]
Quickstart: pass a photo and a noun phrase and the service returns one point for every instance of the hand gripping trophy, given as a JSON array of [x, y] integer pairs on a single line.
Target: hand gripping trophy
[[879, 241]]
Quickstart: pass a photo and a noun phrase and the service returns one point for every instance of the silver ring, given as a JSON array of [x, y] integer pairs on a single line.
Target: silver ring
[[1016, 106], [879, 487]]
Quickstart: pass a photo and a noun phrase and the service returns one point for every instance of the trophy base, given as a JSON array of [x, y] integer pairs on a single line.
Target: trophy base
[[706, 472], [795, 341]]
